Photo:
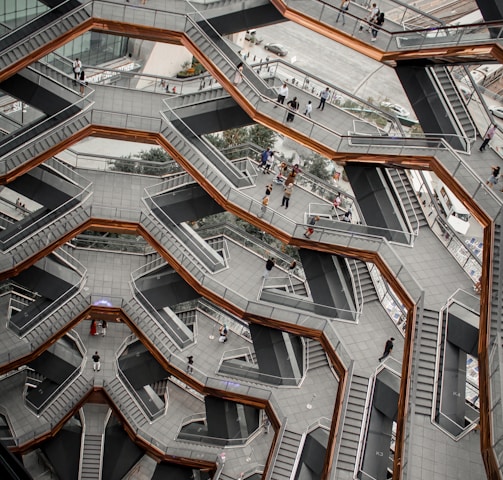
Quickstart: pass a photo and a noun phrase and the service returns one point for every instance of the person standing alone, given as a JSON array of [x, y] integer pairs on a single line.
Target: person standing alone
[[491, 131], [77, 67], [268, 267], [96, 362], [323, 99], [388, 348]]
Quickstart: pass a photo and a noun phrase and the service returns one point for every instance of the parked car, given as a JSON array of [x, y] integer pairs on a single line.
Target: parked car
[[398, 110], [496, 111], [277, 48], [251, 36]]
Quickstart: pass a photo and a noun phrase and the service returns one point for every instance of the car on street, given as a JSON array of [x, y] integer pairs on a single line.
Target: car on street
[[496, 111], [277, 48], [251, 36], [398, 110]]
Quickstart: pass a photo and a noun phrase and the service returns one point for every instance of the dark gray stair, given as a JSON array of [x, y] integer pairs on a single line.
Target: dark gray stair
[[91, 457], [287, 453], [317, 356], [361, 273], [408, 197], [123, 399], [456, 103], [67, 399], [426, 343], [353, 419]]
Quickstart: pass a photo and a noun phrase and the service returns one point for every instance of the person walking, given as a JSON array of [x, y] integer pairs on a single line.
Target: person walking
[[376, 25], [104, 326], [388, 348], [263, 208], [292, 267], [96, 362], [493, 179], [491, 131], [287, 193], [190, 363], [293, 105], [264, 156], [310, 230], [82, 81], [269, 265], [238, 76], [268, 163], [282, 94], [268, 189], [323, 99], [77, 67], [309, 109], [342, 10]]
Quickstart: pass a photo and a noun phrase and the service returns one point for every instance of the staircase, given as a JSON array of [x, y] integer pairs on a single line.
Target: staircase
[[67, 399], [353, 418], [360, 272], [95, 417], [39, 32], [317, 357], [408, 198], [125, 403], [427, 351], [285, 460], [496, 292], [456, 103]]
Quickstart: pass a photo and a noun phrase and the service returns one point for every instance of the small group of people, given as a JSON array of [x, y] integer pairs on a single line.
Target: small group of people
[[223, 331], [20, 204], [375, 20], [294, 105], [98, 327]]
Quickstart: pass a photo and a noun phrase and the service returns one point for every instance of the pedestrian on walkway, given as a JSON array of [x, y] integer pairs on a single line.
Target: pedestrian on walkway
[[293, 105], [292, 267], [282, 94], [342, 10], [287, 193], [310, 230], [238, 76], [269, 265], [263, 208], [190, 362], [388, 348], [96, 362], [493, 179], [309, 109], [491, 131], [76, 67], [93, 328], [268, 163], [376, 25], [82, 81], [323, 98], [291, 178], [104, 326], [264, 156], [268, 189]]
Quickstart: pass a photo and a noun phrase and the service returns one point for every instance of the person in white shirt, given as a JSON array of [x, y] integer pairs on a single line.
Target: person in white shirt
[[309, 109], [77, 67], [282, 93]]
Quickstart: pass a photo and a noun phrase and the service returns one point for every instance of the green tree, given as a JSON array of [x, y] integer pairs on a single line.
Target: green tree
[[317, 165], [155, 161], [262, 136], [235, 136]]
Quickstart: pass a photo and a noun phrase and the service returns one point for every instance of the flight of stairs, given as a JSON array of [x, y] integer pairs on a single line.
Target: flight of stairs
[[317, 356], [352, 426], [408, 198], [91, 457], [287, 454], [360, 271], [427, 349]]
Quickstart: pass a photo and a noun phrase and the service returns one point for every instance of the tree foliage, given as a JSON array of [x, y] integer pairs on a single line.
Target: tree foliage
[[148, 162], [262, 136], [317, 165]]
